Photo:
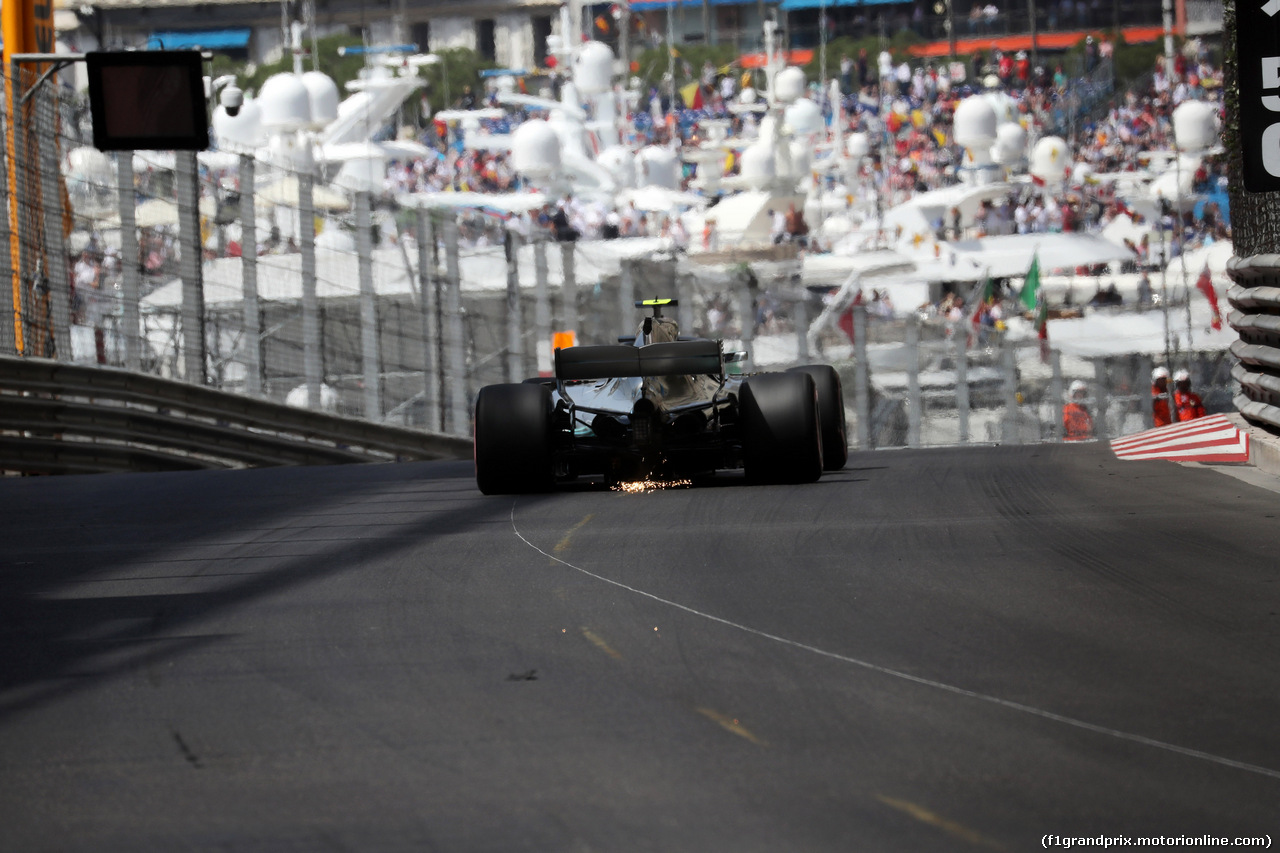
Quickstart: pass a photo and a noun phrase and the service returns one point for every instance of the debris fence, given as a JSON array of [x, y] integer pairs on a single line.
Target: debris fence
[[231, 272]]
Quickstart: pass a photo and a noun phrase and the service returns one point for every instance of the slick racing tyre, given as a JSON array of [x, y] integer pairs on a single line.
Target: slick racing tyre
[[781, 439], [835, 432], [513, 439]]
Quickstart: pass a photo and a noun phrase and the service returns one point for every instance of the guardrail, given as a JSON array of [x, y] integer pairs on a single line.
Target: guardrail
[[66, 418]]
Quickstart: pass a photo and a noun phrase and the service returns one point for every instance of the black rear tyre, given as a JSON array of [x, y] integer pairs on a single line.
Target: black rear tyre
[[781, 440], [513, 439], [835, 431]]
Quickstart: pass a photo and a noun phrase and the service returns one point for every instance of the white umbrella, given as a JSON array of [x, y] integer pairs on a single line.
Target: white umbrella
[[398, 149], [1009, 256], [659, 199], [520, 202], [1215, 255], [285, 192], [156, 213]]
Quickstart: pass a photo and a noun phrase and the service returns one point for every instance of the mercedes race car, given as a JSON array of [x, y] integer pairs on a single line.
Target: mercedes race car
[[657, 408]]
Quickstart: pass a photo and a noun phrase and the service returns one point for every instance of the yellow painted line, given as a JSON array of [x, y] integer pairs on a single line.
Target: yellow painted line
[[730, 724], [563, 544], [598, 641], [950, 827]]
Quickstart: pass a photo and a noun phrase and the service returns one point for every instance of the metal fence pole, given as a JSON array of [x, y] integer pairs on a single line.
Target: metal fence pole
[[1144, 373], [1101, 399], [1057, 394], [626, 294], [312, 358], [427, 305], [542, 311], [914, 397], [569, 290], [1009, 366], [194, 347], [747, 321], [861, 377], [369, 360], [8, 268], [962, 385], [800, 317], [515, 328], [26, 239], [130, 262], [252, 343], [686, 287], [55, 247], [455, 354]]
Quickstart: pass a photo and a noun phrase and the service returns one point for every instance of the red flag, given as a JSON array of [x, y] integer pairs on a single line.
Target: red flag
[[1205, 284], [979, 308], [845, 322]]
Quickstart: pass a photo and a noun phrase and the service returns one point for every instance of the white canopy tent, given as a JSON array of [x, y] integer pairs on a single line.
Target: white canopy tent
[[1010, 256]]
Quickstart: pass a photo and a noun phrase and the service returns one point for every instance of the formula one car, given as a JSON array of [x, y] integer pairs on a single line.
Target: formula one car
[[657, 408]]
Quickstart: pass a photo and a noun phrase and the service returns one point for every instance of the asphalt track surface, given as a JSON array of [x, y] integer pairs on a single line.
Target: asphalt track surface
[[932, 650]]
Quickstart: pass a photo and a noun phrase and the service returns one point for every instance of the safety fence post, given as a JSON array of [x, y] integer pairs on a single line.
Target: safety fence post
[[8, 273], [961, 344], [312, 356], [57, 275], [428, 302], [252, 310], [541, 310], [1057, 394], [914, 398], [370, 361], [515, 340], [861, 377], [747, 321], [1009, 368], [569, 289], [1101, 399], [800, 317], [627, 294], [455, 352]]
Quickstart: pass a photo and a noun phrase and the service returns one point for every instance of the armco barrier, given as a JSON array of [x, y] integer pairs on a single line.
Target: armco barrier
[[65, 418]]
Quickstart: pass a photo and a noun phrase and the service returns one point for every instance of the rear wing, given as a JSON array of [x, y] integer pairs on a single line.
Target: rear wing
[[616, 361]]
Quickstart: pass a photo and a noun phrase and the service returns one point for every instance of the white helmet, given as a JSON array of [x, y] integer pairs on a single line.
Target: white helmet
[[1182, 376], [1077, 388], [1161, 372]]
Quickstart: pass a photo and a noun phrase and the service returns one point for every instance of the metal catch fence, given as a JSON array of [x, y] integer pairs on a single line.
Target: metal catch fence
[[236, 273]]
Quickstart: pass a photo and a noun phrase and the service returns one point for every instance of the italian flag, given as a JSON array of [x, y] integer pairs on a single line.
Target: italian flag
[[1032, 285], [1034, 300]]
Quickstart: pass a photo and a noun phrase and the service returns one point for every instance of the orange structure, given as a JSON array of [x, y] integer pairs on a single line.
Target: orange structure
[[27, 26]]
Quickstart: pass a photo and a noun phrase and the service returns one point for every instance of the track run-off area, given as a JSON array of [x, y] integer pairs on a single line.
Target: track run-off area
[[945, 649]]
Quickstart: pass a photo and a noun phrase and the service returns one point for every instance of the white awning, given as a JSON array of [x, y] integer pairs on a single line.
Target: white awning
[[1009, 256]]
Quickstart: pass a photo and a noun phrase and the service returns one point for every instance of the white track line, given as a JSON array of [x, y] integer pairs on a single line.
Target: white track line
[[906, 676]]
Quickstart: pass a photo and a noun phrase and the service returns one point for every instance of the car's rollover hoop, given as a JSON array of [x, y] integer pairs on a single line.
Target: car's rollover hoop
[[659, 409]]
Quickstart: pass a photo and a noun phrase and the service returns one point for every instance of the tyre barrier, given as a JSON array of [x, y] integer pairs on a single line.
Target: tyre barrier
[[1255, 316]]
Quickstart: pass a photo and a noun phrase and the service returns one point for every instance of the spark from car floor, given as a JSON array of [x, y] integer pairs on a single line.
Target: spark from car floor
[[640, 486]]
